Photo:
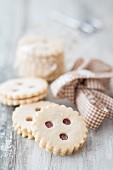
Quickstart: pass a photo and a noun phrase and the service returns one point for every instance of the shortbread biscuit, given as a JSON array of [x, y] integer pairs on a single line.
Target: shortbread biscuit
[[59, 129], [23, 117], [11, 102], [40, 57], [42, 46], [23, 88]]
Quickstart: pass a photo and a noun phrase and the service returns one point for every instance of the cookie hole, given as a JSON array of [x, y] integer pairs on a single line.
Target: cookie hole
[[48, 124], [19, 84], [63, 136], [15, 90], [44, 41], [37, 109], [29, 119], [31, 86], [66, 121]]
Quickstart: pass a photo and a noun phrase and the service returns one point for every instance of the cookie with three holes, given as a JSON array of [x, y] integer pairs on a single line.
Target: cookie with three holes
[[23, 117], [22, 91], [59, 129]]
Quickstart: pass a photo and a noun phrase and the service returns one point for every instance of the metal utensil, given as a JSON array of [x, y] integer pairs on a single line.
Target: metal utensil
[[89, 26]]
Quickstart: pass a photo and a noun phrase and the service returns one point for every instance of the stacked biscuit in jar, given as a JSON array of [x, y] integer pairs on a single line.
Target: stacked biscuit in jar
[[40, 57]]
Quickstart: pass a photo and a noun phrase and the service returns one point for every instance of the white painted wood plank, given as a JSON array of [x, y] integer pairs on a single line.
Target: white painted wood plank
[[24, 154], [11, 26]]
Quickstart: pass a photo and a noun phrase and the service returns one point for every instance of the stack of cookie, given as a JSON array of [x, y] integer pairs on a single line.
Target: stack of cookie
[[40, 57], [22, 91], [56, 128]]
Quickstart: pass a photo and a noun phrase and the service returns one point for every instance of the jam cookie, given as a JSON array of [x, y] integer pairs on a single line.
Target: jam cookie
[[42, 56], [23, 117], [22, 91], [59, 129], [11, 102]]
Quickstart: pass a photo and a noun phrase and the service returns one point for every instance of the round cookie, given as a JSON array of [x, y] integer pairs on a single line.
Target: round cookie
[[23, 88], [23, 117], [11, 102], [39, 46], [42, 56], [59, 129]]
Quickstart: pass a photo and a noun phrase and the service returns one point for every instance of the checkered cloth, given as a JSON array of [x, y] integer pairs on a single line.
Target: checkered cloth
[[86, 85]]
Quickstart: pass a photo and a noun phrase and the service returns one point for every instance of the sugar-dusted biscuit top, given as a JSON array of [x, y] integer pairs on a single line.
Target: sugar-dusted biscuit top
[[40, 57], [59, 129], [23, 88], [39, 46]]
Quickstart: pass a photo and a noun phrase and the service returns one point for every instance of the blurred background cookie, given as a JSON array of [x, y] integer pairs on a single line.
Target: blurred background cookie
[[40, 57]]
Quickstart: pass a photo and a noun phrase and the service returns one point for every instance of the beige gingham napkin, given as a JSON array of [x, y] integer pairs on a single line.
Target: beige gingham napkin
[[86, 85]]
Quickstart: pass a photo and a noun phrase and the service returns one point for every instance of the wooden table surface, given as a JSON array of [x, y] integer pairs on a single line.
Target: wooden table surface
[[17, 153]]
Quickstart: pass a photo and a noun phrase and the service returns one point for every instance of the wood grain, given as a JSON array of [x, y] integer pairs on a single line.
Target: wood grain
[[17, 153]]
